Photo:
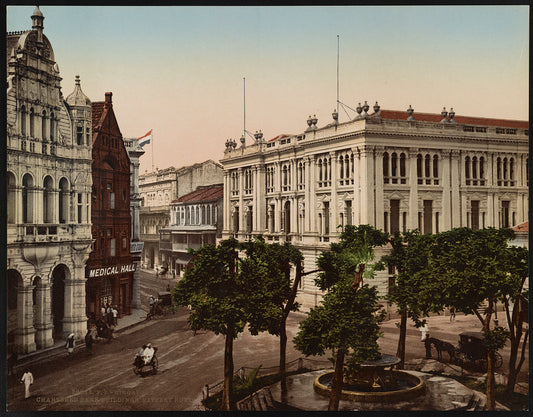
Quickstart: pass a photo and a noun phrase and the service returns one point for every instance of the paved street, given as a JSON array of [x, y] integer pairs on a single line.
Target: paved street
[[105, 379]]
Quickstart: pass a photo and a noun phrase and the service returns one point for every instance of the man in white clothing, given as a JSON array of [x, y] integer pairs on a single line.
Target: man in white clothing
[[27, 379], [148, 353]]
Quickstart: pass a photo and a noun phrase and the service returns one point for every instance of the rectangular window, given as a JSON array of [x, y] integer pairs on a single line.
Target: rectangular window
[[428, 214], [386, 222], [349, 212], [124, 243], [404, 221], [79, 133], [80, 206], [326, 218], [474, 209], [394, 216], [111, 200], [112, 247], [505, 214]]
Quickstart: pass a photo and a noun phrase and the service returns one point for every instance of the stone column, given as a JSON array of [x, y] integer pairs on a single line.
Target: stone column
[[367, 185], [412, 218], [75, 317], [446, 190], [242, 213], [43, 321], [378, 178], [334, 221], [356, 188], [310, 196], [227, 203], [456, 216], [25, 333]]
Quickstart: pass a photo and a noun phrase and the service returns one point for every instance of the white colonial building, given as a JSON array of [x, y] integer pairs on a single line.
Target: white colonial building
[[157, 190], [49, 182], [393, 170]]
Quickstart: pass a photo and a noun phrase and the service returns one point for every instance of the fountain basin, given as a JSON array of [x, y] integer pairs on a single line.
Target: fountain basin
[[409, 386]]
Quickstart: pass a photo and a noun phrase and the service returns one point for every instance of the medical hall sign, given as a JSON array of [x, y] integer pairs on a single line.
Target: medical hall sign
[[110, 270]]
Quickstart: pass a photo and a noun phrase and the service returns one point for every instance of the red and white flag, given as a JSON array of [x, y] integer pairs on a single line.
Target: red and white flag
[[145, 139]]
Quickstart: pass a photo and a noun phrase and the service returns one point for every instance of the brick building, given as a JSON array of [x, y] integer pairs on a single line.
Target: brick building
[[110, 268]]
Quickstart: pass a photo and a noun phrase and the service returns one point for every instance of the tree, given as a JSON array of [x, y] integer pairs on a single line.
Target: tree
[[408, 256], [469, 268], [272, 299], [215, 286], [346, 321], [516, 310]]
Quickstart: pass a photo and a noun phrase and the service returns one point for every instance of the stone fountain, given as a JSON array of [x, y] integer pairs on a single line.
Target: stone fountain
[[376, 381]]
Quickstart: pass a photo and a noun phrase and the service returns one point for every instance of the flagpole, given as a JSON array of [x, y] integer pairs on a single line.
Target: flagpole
[[153, 150]]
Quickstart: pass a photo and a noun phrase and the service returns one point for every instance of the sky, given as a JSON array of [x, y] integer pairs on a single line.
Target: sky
[[198, 76]]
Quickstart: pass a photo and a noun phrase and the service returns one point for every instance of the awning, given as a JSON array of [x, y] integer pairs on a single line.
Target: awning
[[183, 258]]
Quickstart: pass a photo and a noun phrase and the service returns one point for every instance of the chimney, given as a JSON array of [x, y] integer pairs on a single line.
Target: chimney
[[108, 102]]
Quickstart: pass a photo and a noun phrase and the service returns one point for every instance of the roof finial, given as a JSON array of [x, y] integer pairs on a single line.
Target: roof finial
[[37, 23]]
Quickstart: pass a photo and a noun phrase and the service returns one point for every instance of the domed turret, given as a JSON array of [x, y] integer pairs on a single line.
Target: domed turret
[[77, 98]]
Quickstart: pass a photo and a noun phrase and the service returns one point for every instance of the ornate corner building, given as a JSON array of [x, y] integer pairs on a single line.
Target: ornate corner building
[[393, 170], [48, 196]]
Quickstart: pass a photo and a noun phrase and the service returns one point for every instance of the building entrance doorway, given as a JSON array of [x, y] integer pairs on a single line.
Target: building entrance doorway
[[58, 300]]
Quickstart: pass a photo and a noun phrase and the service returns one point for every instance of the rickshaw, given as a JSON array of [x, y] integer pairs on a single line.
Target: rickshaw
[[472, 350], [162, 305], [141, 368]]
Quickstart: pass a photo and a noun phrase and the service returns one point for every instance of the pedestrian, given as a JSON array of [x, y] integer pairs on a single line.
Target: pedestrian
[[27, 379], [424, 330], [109, 315], [115, 315], [151, 301], [168, 287], [452, 313], [89, 341], [102, 311], [69, 345]]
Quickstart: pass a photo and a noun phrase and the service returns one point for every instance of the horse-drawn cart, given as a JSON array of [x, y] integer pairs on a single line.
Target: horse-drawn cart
[[472, 351]]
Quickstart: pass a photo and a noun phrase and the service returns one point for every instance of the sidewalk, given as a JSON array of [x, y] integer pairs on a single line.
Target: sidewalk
[[137, 316]]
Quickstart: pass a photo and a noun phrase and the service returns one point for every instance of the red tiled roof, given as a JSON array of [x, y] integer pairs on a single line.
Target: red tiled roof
[[466, 120], [209, 193], [98, 110], [278, 137], [523, 227]]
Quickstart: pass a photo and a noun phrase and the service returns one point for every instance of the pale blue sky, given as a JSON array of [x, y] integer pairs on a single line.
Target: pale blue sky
[[179, 70]]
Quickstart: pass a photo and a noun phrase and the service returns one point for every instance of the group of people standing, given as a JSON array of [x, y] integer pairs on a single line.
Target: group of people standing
[[109, 314]]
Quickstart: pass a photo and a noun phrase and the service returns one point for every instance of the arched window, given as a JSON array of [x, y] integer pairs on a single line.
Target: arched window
[[319, 166], [48, 200], [474, 167], [499, 169], [287, 225], [27, 199], [511, 169], [386, 167], [32, 123], [435, 166], [481, 168], [11, 198], [419, 168], [52, 127], [347, 166], [203, 221], [505, 169], [394, 165], [402, 167], [197, 215], [427, 170], [23, 121], [43, 126], [341, 167]]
